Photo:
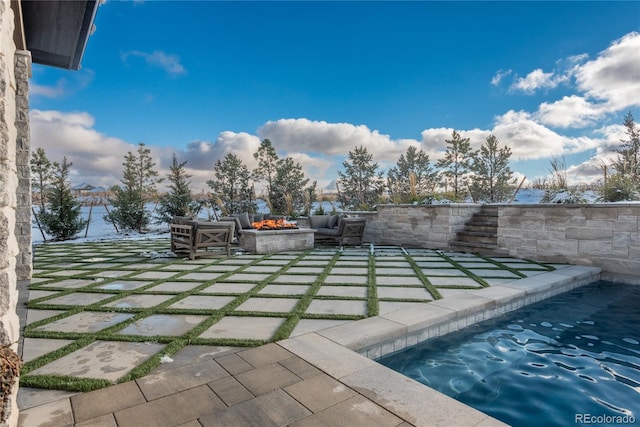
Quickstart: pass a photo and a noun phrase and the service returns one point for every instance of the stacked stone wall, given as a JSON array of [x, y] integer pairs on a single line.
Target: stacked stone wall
[[9, 325], [606, 236]]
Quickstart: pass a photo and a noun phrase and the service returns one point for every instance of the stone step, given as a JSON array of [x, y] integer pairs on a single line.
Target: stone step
[[480, 217], [478, 248], [481, 227], [477, 237]]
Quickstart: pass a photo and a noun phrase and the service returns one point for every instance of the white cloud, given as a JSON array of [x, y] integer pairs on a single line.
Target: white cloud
[[537, 79], [570, 112], [501, 74], [167, 61], [56, 91], [614, 76]]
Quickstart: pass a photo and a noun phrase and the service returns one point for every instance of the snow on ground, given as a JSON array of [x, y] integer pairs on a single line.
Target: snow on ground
[[99, 229]]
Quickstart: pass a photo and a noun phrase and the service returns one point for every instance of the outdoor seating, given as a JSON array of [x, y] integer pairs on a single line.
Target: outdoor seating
[[338, 229], [201, 238]]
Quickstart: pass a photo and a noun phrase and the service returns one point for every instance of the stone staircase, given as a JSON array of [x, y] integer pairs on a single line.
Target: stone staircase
[[480, 234]]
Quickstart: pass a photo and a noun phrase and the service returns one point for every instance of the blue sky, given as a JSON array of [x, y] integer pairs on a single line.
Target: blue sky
[[205, 78]]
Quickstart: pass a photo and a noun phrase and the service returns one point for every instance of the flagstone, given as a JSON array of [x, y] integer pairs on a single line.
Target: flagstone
[[202, 302], [109, 360], [35, 294], [350, 270], [238, 261], [451, 272], [201, 276], [139, 301], [342, 262], [180, 267], [262, 269], [111, 273], [85, 321], [163, 324], [305, 270], [221, 267], [312, 262], [250, 327], [139, 266], [274, 262], [434, 264], [65, 273], [277, 305]]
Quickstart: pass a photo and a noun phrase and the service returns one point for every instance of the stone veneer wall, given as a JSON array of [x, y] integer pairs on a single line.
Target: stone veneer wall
[[9, 250], [417, 226], [606, 236], [23, 165]]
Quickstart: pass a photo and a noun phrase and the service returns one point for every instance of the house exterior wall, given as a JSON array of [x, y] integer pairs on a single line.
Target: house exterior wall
[[9, 183]]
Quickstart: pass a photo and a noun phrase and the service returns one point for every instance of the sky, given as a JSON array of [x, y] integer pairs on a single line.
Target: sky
[[202, 79]]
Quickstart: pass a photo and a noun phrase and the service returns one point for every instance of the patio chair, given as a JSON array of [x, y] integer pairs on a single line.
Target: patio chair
[[202, 238]]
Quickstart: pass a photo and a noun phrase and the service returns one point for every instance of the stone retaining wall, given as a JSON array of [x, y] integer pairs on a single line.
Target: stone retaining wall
[[606, 236]]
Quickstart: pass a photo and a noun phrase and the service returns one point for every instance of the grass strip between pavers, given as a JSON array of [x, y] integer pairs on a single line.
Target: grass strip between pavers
[[124, 256]]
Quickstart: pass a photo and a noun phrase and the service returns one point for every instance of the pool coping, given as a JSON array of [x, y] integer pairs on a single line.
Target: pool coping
[[346, 352]]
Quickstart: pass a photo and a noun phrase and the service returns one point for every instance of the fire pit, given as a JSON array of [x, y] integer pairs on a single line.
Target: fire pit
[[269, 240], [274, 224]]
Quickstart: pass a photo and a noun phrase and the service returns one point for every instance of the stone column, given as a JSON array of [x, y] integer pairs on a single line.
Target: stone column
[[23, 167]]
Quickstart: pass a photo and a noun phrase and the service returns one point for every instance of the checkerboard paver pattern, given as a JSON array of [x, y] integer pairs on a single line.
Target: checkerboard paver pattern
[[132, 299]]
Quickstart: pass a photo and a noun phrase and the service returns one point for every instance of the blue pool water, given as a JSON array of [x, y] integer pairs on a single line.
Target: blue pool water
[[571, 360]]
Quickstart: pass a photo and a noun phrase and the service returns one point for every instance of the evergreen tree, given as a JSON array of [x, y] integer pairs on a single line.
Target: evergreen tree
[[456, 162], [139, 179], [493, 178], [231, 185], [41, 175], [361, 182], [61, 218], [413, 178], [268, 163], [624, 184], [179, 200], [288, 190]]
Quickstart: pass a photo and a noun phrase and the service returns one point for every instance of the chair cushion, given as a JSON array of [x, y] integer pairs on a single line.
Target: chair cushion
[[333, 221], [258, 217], [319, 221], [245, 223], [328, 231]]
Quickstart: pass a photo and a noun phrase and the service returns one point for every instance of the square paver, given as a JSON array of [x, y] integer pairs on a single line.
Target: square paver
[[111, 273], [395, 271], [34, 315], [139, 301], [180, 267], [305, 270], [284, 290], [390, 306], [495, 273], [221, 267], [343, 291], [163, 324], [69, 284], [267, 378], [352, 307], [79, 298], [201, 276], [251, 327], [247, 277], [350, 270], [229, 288], [66, 273], [401, 293], [277, 305], [107, 360], [153, 275], [85, 321], [319, 392], [32, 348], [202, 302], [349, 280], [176, 287], [451, 272], [294, 278], [305, 326], [262, 269], [312, 263], [454, 281], [123, 285], [398, 281]]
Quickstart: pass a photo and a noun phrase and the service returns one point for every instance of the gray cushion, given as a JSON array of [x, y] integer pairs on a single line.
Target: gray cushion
[[244, 220], [328, 231], [319, 221], [258, 217], [333, 221]]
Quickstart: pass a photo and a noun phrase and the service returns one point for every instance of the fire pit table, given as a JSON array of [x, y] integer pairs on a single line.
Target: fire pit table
[[269, 241]]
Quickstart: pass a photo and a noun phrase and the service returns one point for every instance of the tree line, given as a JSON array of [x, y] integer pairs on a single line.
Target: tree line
[[484, 175]]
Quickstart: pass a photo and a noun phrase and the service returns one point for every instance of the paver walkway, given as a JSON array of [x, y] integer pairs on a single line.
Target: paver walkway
[[110, 312]]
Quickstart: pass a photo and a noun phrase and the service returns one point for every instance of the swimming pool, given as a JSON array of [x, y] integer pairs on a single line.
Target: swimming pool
[[572, 359]]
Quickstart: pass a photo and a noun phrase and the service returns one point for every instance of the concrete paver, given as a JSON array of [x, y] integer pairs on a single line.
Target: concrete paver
[[307, 379]]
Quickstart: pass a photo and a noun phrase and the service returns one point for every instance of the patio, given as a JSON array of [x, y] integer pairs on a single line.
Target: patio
[[110, 312]]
